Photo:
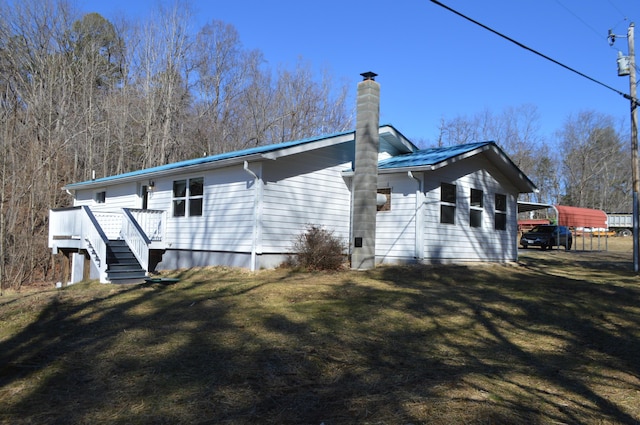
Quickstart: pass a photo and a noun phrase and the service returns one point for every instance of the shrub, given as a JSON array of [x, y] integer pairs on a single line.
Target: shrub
[[317, 249]]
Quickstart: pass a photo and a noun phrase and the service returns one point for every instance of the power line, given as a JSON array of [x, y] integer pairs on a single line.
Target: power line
[[598, 33], [618, 10], [517, 43]]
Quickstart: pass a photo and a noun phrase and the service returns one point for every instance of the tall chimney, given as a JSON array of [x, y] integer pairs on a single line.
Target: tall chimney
[[365, 178]]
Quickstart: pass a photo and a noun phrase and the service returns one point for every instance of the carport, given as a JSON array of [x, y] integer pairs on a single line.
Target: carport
[[588, 225]]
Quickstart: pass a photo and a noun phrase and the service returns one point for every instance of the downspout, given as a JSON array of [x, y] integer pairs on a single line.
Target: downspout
[[256, 218], [419, 220]]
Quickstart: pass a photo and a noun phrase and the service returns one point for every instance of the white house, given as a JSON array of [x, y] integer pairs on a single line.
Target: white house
[[245, 208]]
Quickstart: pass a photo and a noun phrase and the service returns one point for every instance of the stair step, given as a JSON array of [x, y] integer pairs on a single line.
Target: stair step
[[125, 274], [122, 265], [122, 260]]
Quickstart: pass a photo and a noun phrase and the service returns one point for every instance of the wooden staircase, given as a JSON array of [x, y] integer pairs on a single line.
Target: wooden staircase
[[122, 265]]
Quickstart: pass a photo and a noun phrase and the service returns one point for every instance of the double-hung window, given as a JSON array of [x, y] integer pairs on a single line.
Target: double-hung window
[[500, 212], [475, 210], [447, 203], [188, 197]]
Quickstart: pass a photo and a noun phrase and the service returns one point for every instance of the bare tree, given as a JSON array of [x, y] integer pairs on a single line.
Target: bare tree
[[294, 106], [592, 150], [516, 130], [78, 94]]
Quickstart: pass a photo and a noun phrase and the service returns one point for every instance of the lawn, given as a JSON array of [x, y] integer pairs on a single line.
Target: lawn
[[554, 339]]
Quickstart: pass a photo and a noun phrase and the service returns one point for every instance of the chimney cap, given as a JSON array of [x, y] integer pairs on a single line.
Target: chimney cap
[[369, 76]]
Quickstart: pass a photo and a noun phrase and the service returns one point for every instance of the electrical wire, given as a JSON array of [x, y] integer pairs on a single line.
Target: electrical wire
[[617, 9], [598, 33], [517, 43]]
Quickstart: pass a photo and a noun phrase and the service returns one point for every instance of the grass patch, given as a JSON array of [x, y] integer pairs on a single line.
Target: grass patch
[[551, 340]]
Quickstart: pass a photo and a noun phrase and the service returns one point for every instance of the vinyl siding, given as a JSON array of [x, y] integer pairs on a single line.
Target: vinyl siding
[[460, 241], [240, 215], [227, 220], [123, 195], [396, 228], [304, 189]]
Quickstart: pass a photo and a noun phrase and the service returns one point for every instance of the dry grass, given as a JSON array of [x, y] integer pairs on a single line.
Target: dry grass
[[554, 339]]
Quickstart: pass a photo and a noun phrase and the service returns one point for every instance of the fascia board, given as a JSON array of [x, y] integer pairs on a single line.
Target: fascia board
[[142, 175], [309, 146]]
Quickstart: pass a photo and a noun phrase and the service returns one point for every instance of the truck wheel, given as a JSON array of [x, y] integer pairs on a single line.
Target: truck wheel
[[625, 232]]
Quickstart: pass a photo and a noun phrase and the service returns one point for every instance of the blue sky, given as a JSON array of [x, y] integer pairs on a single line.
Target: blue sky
[[433, 64]]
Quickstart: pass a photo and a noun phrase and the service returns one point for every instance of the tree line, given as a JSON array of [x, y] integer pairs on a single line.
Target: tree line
[[81, 95], [586, 163]]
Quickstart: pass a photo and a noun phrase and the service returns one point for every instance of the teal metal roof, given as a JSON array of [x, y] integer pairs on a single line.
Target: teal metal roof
[[431, 156], [207, 159]]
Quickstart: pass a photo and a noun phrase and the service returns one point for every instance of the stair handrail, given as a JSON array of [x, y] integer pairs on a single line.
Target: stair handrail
[[136, 238], [96, 241]]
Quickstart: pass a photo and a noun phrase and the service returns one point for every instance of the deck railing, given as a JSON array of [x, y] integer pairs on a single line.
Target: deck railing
[[96, 242], [64, 224], [111, 223], [136, 238], [150, 221], [80, 227]]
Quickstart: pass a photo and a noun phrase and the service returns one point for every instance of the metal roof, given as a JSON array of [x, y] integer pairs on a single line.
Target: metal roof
[[581, 217], [434, 158], [258, 150], [570, 216], [431, 156]]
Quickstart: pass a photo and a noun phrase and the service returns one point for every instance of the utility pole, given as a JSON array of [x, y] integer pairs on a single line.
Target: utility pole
[[627, 66], [634, 144]]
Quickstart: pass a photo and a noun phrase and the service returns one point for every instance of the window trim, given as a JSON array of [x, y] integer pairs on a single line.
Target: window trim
[[186, 209], [476, 208], [500, 212], [446, 204]]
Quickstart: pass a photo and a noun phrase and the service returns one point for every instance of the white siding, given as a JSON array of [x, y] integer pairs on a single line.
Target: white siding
[[305, 189], [396, 228], [459, 241], [243, 219], [226, 223], [119, 196]]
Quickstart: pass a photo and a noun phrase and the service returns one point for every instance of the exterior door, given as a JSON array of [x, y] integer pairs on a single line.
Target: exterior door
[[144, 196]]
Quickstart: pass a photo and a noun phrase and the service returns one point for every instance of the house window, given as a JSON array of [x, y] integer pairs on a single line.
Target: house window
[[100, 197], [501, 212], [384, 195], [447, 203], [475, 211], [187, 197]]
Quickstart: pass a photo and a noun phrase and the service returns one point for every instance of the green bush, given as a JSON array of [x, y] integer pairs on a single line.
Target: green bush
[[317, 249]]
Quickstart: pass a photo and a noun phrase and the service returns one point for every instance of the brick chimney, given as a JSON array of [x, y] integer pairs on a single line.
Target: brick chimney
[[365, 178]]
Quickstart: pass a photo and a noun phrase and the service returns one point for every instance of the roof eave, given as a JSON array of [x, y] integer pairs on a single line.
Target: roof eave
[[511, 170], [403, 143], [153, 174], [329, 141]]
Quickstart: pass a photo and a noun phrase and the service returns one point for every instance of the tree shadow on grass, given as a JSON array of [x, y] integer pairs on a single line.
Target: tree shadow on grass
[[434, 345], [592, 326]]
